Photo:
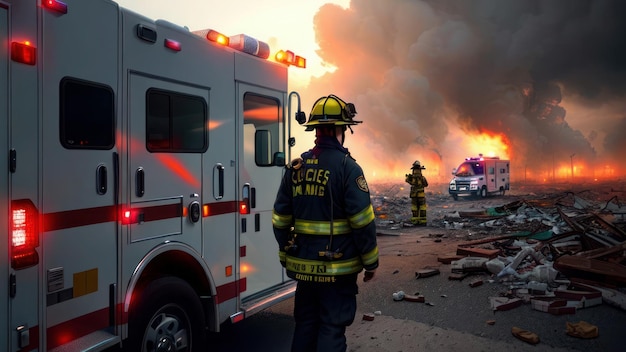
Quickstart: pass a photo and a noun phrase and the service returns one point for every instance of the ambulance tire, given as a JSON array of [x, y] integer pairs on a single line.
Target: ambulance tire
[[165, 310], [483, 192]]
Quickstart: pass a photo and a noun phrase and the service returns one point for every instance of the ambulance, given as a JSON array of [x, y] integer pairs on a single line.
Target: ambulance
[[139, 163], [480, 176]]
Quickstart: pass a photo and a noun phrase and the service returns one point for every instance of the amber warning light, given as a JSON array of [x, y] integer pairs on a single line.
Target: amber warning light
[[289, 58]]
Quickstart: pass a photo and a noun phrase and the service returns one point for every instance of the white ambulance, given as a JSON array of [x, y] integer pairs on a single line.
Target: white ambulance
[[480, 176], [139, 164]]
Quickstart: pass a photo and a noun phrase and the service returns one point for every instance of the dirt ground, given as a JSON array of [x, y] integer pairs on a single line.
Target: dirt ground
[[455, 317]]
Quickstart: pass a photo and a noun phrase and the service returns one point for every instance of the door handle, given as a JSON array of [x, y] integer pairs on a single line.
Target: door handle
[[140, 182], [101, 179], [219, 170]]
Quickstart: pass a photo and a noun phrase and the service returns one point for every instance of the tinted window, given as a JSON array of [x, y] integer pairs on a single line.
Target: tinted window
[[87, 115], [175, 122]]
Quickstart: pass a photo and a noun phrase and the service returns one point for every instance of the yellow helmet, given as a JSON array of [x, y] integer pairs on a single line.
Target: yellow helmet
[[331, 110]]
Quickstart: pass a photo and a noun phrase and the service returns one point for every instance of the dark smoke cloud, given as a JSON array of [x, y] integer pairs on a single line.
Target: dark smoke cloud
[[421, 73]]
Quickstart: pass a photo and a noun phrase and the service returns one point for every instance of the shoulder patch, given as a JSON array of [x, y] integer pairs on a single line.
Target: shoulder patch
[[362, 184]]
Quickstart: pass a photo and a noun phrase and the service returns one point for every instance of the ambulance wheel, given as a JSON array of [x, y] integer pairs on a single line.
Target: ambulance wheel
[[455, 197], [483, 192], [166, 316]]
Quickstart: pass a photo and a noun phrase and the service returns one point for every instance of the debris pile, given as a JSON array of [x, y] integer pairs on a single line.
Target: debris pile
[[560, 252]]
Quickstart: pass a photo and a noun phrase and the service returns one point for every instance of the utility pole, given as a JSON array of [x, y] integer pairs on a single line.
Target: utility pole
[[571, 161]]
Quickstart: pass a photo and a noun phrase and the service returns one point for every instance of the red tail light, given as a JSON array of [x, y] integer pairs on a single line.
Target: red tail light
[[24, 53], [24, 234]]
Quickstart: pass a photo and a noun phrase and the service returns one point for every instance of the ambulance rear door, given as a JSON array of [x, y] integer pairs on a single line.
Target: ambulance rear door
[[4, 178], [79, 159]]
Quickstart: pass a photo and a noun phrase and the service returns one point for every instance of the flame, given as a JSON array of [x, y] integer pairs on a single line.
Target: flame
[[438, 165], [488, 144]]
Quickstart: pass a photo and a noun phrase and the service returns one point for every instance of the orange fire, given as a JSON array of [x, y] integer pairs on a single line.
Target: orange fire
[[487, 144]]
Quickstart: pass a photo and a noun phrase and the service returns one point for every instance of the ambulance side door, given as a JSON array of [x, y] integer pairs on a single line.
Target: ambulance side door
[[166, 140]]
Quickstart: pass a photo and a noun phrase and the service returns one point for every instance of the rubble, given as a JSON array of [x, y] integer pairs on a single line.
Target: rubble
[[525, 335], [560, 252], [581, 329]]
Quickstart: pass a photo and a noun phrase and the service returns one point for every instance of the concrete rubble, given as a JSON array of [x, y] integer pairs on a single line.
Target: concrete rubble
[[558, 253]]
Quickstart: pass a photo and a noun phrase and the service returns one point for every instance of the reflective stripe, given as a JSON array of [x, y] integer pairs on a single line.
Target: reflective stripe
[[340, 227], [281, 256], [370, 257], [318, 267], [362, 218], [281, 221]]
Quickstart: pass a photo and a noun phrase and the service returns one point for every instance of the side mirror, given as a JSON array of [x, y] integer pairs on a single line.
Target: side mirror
[[279, 159], [454, 171], [301, 117]]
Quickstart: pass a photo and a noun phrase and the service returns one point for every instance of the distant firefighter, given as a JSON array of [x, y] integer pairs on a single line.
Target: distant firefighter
[[418, 197]]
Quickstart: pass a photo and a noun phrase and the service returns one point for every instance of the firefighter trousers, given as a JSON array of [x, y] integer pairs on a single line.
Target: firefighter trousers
[[322, 312]]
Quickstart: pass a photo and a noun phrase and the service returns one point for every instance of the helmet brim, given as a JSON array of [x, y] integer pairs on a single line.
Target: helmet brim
[[310, 126]]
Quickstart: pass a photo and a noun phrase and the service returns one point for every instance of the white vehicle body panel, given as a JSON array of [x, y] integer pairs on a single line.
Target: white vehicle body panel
[[97, 146]]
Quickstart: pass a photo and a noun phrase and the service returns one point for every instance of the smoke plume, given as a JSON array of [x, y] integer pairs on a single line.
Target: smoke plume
[[547, 77]]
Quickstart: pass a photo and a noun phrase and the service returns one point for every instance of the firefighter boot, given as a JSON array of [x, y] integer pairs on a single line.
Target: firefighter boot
[[420, 217]]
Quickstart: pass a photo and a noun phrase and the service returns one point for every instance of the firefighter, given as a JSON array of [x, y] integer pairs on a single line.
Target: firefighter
[[323, 221], [418, 198]]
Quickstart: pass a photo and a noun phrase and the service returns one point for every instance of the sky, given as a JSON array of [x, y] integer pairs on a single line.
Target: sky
[[539, 82], [284, 24]]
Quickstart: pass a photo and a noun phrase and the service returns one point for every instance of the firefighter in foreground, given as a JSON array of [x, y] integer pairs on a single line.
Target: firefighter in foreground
[[418, 198], [324, 224]]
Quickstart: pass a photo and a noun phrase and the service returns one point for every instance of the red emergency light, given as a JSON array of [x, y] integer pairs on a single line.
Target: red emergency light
[[55, 5], [24, 53], [172, 44], [244, 207], [24, 234], [128, 217]]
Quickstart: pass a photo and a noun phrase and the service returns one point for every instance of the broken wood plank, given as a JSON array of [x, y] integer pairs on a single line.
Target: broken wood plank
[[591, 269], [478, 252]]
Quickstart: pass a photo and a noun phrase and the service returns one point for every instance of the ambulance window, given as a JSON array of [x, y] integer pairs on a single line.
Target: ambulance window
[[262, 117], [175, 122], [87, 115], [492, 171]]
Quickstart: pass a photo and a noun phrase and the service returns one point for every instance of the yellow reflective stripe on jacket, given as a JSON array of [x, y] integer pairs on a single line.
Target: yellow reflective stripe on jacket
[[362, 218], [370, 257], [308, 227], [281, 221], [318, 267], [281, 256]]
